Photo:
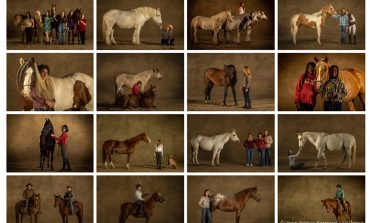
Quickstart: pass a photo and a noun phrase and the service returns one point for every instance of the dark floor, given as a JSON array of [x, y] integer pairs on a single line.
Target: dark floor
[[311, 44], [146, 44], [121, 167], [161, 105], [16, 44], [257, 105]]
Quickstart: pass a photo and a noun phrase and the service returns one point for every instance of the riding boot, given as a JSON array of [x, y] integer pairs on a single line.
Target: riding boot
[[64, 165], [354, 39], [350, 38], [68, 165]]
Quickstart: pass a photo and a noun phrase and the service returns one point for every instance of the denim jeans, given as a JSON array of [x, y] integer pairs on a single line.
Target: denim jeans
[[261, 153], [158, 157], [206, 216], [332, 106], [250, 156], [268, 156], [343, 34], [61, 33]]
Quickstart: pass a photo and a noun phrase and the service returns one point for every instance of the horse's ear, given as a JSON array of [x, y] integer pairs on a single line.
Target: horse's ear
[[21, 61], [326, 59], [32, 60], [158, 9], [316, 59]]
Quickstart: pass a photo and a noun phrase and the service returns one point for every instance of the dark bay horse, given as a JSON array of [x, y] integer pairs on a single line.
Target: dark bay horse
[[64, 209], [225, 77], [47, 145], [33, 209], [130, 208], [337, 209], [130, 100], [236, 203], [122, 147]]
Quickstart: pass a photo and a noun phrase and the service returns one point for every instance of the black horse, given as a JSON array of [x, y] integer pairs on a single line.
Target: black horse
[[47, 145]]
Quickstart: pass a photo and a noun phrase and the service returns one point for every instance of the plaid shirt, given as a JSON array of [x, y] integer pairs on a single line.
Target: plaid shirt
[[343, 19]]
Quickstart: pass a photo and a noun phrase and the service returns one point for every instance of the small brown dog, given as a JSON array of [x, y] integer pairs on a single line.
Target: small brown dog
[[171, 162]]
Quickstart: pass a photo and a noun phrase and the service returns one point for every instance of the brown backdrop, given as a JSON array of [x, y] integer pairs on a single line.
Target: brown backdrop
[[261, 66], [18, 6], [60, 65], [23, 136], [113, 191], [264, 29], [172, 13], [228, 185], [290, 125], [171, 67], [330, 33], [47, 186], [292, 66], [168, 128], [209, 125], [300, 197]]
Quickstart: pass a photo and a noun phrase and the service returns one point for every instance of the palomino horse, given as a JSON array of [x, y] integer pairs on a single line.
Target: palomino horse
[[33, 209], [145, 101], [64, 209], [23, 22], [330, 142], [130, 208], [236, 203], [58, 89], [314, 21], [47, 145], [335, 206], [122, 147], [214, 143], [127, 20], [214, 23], [128, 80], [353, 79], [225, 77]]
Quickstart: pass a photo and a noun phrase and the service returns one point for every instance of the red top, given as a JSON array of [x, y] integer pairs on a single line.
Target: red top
[[82, 25], [305, 90], [135, 89], [62, 140], [260, 143]]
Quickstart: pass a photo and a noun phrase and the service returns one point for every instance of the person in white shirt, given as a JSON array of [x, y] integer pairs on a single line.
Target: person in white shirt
[[241, 9], [204, 202], [139, 199], [293, 164], [351, 27], [158, 153]]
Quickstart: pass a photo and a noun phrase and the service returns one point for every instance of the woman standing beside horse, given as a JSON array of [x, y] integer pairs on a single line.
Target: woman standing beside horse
[[204, 202], [46, 27], [305, 92], [62, 141]]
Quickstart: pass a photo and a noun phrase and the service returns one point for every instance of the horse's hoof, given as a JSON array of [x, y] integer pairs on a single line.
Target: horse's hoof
[[325, 167]]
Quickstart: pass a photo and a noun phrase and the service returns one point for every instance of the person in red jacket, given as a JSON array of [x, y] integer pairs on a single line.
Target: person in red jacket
[[136, 89], [260, 142], [62, 142], [82, 28], [305, 92]]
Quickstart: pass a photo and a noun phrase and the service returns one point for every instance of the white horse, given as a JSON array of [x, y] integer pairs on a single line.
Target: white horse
[[215, 144], [332, 142], [135, 18], [128, 80], [58, 89], [243, 22], [214, 23], [314, 21]]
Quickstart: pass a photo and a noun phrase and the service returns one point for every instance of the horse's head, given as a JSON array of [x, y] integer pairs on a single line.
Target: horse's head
[[301, 140], [157, 74], [229, 68], [157, 17], [261, 15], [36, 199], [159, 198], [246, 70], [17, 19], [329, 9], [146, 138], [253, 17], [25, 76], [321, 71], [57, 200], [228, 16], [255, 195], [326, 205], [234, 137]]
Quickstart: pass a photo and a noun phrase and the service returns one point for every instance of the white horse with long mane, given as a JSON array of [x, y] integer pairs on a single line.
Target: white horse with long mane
[[58, 89], [214, 143], [128, 80], [315, 21], [214, 23], [344, 142], [135, 18]]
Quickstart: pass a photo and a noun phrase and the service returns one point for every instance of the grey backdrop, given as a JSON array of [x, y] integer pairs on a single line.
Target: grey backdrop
[[112, 191], [291, 66], [60, 65]]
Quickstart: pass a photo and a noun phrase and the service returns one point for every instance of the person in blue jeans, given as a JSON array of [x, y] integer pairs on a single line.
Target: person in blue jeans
[[204, 202], [261, 146], [343, 25], [249, 149], [62, 23]]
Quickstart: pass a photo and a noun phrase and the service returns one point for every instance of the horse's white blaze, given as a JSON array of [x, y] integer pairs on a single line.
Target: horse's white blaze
[[26, 92], [128, 80]]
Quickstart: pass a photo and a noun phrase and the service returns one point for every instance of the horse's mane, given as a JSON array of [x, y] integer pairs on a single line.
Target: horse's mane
[[145, 10], [133, 139], [223, 13], [45, 88], [241, 193]]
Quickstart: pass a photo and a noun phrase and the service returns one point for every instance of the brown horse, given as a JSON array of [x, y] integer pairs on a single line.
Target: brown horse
[[225, 77], [236, 203], [122, 147], [64, 210], [353, 79], [335, 206], [130, 208], [146, 101], [33, 209]]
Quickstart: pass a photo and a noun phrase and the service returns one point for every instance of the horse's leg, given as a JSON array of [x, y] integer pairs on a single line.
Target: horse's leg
[[214, 39], [362, 99], [324, 158], [136, 36], [318, 34], [51, 159], [112, 38], [108, 30], [248, 36], [349, 155], [237, 219], [317, 159], [214, 156], [234, 94], [147, 219], [237, 37], [345, 156], [195, 35], [218, 158], [225, 93], [351, 105], [128, 161]]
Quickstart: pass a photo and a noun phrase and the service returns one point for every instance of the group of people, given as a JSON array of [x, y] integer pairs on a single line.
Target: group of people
[[347, 26], [29, 193], [333, 90], [263, 143]]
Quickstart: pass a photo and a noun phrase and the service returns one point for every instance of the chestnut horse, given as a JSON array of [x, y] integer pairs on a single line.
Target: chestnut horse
[[130, 208], [225, 77], [64, 208], [337, 209], [353, 79], [236, 203], [33, 209], [122, 147]]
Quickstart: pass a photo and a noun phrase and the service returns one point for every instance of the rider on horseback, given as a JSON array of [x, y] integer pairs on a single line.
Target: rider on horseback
[[339, 195], [70, 198], [139, 201], [28, 194]]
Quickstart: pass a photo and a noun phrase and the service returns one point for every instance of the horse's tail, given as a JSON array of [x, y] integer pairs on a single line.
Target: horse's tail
[[292, 26], [354, 153], [104, 28], [194, 22]]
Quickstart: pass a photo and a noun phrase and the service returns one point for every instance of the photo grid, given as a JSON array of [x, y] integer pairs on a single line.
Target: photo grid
[[184, 111]]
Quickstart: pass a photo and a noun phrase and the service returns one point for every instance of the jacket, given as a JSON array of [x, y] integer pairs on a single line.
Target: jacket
[[305, 91]]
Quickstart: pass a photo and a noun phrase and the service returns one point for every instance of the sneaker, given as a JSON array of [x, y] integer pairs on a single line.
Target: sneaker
[[247, 164]]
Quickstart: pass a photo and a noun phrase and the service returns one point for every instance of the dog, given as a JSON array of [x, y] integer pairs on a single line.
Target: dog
[[166, 30], [171, 162]]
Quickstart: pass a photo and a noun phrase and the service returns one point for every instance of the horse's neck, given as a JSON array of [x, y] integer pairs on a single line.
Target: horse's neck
[[312, 138], [136, 139], [146, 75], [225, 137], [147, 12], [150, 202]]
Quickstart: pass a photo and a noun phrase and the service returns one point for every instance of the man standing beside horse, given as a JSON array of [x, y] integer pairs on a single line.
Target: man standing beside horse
[[343, 25]]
